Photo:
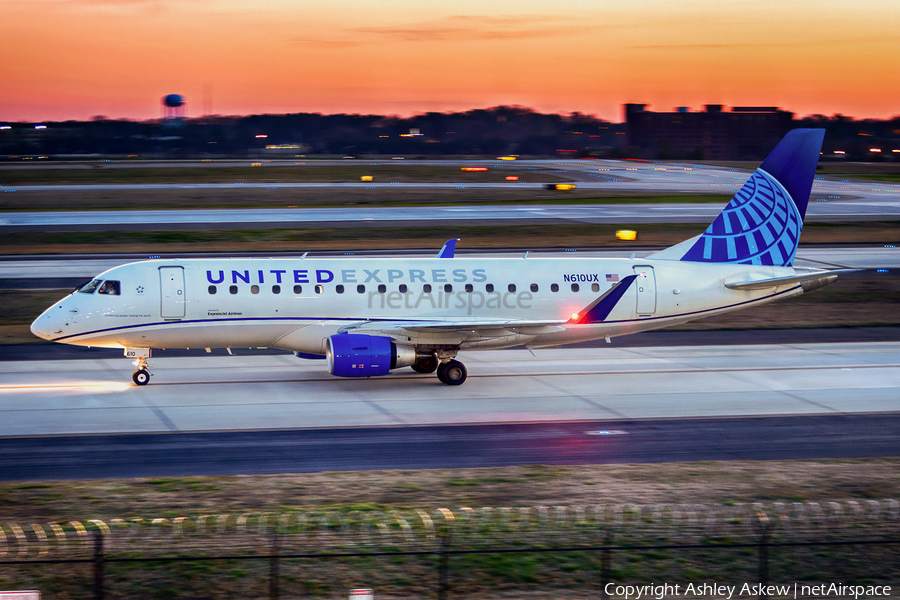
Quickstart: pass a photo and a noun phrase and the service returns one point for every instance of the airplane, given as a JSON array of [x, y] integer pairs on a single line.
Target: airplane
[[369, 316]]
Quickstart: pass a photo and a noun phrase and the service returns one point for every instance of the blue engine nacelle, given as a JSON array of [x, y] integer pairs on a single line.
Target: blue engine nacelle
[[355, 355]]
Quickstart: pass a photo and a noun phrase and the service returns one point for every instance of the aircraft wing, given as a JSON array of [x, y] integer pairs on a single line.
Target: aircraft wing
[[809, 281]]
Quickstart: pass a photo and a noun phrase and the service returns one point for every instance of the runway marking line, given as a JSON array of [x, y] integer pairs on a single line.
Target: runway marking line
[[124, 385], [118, 385]]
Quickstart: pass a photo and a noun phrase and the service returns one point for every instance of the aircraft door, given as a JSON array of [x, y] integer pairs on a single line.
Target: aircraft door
[[171, 288], [646, 290]]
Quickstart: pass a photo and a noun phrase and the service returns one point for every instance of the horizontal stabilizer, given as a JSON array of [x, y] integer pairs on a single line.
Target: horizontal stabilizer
[[809, 281]]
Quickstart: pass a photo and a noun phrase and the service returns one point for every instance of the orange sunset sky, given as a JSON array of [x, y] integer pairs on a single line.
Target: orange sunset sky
[[73, 59]]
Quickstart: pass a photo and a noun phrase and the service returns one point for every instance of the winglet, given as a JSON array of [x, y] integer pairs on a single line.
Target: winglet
[[448, 250], [599, 309]]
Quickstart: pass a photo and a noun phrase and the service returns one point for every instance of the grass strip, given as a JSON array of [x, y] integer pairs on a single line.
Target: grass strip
[[275, 197]]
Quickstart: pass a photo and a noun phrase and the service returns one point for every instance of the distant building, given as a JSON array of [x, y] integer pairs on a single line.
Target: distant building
[[744, 133]]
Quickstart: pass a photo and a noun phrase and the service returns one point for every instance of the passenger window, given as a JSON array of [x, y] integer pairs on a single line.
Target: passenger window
[[361, 289], [595, 287], [511, 287], [426, 288], [320, 289], [109, 287], [233, 289], [254, 289], [534, 287], [403, 288], [448, 288], [382, 288], [339, 289], [554, 287], [574, 287], [489, 287], [212, 290], [298, 289], [90, 287], [469, 287], [276, 289]]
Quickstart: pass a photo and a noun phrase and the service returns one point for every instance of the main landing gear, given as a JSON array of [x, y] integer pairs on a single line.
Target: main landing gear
[[427, 363], [449, 370], [452, 372]]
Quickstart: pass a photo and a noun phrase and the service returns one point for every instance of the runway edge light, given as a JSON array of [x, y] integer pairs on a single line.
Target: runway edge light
[[627, 235]]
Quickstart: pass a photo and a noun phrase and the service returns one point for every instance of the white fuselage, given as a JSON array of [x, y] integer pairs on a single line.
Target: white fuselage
[[296, 304]]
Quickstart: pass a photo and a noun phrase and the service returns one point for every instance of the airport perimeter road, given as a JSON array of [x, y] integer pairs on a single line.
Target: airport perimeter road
[[107, 220], [225, 393]]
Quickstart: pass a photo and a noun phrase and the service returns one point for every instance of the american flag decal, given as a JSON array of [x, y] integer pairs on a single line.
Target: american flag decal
[[612, 277]]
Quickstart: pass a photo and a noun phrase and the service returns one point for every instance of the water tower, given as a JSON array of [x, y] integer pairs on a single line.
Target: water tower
[[173, 109]]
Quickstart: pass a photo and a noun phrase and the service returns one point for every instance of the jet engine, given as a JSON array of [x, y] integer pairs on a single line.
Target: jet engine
[[356, 355]]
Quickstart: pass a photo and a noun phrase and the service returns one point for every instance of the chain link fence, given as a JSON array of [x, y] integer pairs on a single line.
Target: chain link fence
[[586, 539]]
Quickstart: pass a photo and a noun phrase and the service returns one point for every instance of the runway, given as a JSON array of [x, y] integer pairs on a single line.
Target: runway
[[228, 393]]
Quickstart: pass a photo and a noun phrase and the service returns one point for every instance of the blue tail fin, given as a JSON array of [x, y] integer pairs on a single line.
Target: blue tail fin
[[761, 225]]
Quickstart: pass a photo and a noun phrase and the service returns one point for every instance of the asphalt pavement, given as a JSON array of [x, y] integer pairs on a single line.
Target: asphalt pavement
[[489, 445]]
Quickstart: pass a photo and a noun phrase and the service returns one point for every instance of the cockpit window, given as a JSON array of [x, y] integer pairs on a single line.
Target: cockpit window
[[110, 288], [90, 287]]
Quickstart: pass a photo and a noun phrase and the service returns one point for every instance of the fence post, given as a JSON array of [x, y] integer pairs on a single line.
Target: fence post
[[764, 564], [443, 566], [99, 592], [764, 528], [605, 565], [273, 565]]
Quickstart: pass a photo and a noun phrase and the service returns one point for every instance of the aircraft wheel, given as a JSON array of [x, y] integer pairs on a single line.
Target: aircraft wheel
[[440, 372], [427, 364], [454, 373], [141, 377]]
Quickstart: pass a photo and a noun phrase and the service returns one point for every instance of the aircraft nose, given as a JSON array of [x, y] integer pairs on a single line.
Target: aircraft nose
[[41, 326]]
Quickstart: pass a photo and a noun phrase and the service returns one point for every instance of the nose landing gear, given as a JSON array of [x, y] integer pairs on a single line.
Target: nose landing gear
[[142, 375]]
